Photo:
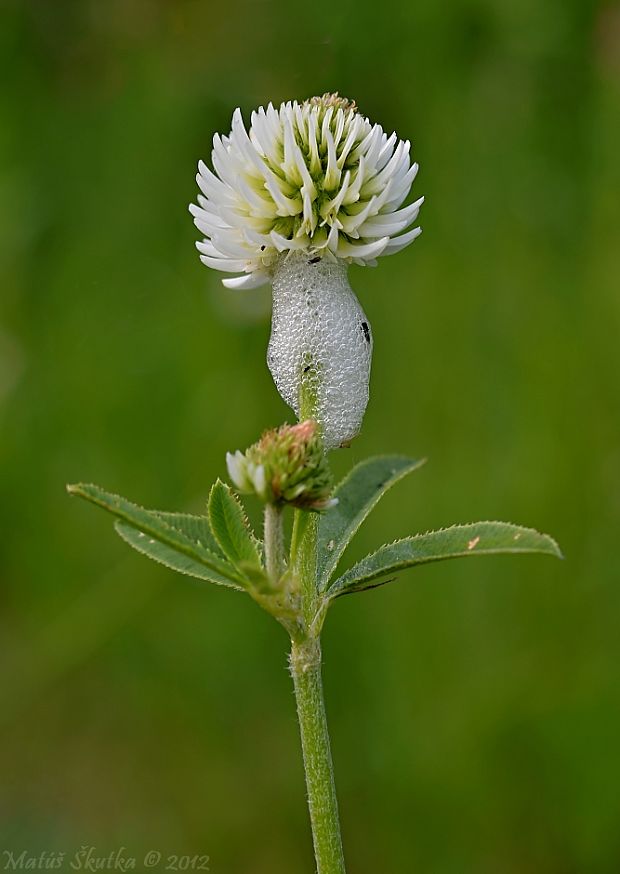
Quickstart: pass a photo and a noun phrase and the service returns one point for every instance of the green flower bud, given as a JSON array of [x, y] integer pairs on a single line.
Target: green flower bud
[[286, 466]]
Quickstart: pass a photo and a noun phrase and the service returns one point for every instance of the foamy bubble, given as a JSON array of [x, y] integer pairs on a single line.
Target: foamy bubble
[[320, 334]]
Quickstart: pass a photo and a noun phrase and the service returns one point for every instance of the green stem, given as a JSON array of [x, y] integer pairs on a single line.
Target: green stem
[[308, 397], [305, 663], [306, 671], [275, 561], [300, 526]]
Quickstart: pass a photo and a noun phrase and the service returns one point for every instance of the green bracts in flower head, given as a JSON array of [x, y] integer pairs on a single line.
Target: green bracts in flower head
[[286, 466]]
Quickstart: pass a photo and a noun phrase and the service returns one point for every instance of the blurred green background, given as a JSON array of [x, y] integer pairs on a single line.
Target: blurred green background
[[475, 706]]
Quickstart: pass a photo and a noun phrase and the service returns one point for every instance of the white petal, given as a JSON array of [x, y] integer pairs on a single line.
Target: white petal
[[392, 222], [247, 281], [260, 481], [234, 466], [362, 250], [399, 243], [207, 248], [228, 265], [332, 174]]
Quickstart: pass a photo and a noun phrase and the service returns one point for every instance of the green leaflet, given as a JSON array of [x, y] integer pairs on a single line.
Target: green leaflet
[[195, 527], [175, 540], [358, 493], [230, 527], [478, 538], [170, 557]]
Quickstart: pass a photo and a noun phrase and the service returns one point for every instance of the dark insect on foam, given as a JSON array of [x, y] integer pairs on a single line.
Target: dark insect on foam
[[366, 331]]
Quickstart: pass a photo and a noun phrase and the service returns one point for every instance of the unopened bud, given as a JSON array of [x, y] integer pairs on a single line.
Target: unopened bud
[[286, 466]]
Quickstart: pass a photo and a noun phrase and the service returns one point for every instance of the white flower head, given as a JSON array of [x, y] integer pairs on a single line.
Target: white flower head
[[316, 177]]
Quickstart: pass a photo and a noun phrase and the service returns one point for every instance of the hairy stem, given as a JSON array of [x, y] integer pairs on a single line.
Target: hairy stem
[[305, 663], [274, 542]]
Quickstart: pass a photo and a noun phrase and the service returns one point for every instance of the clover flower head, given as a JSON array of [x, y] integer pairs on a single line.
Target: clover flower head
[[286, 466], [316, 177]]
